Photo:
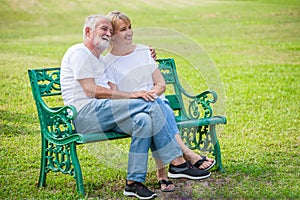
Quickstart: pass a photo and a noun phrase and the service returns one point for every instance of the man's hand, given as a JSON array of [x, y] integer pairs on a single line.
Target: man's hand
[[153, 53], [146, 95]]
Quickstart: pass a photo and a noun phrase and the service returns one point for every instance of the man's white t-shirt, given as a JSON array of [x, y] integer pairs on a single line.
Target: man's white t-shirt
[[131, 72], [79, 63]]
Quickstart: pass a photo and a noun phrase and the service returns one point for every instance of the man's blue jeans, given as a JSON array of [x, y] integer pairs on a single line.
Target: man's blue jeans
[[145, 121]]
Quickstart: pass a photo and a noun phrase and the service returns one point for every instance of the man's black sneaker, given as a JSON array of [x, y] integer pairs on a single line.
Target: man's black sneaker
[[187, 170], [137, 189]]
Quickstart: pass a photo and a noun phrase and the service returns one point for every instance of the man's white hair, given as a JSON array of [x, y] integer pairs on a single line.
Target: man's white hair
[[91, 22]]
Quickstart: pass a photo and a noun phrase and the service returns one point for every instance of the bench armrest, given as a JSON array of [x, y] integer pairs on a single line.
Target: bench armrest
[[57, 123], [199, 106]]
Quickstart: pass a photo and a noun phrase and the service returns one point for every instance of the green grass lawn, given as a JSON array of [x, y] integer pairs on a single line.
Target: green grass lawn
[[253, 48]]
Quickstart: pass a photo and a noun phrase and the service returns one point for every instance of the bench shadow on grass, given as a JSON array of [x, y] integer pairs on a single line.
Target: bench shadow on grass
[[218, 186], [211, 188], [111, 181], [107, 180], [215, 187]]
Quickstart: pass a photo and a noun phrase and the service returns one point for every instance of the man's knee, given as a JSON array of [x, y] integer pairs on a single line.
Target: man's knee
[[142, 120], [143, 125]]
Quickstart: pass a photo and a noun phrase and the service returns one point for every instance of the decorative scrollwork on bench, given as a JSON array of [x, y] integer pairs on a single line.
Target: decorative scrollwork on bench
[[60, 125], [168, 75], [200, 108], [49, 81], [197, 138], [167, 72], [199, 105], [59, 159]]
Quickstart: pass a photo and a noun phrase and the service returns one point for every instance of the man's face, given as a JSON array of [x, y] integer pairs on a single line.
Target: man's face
[[102, 34]]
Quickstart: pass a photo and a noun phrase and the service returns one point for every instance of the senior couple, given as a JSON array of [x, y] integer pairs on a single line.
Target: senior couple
[[123, 92]]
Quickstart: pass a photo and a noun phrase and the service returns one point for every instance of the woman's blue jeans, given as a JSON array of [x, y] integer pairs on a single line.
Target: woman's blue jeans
[[145, 121]]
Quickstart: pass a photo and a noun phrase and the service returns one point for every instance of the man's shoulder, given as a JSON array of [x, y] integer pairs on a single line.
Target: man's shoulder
[[77, 47], [77, 51]]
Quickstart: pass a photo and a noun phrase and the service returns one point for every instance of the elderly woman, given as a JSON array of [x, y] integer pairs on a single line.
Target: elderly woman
[[129, 68]]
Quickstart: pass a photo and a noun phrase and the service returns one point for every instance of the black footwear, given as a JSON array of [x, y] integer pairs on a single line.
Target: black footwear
[[201, 161], [166, 183], [187, 170], [137, 189]]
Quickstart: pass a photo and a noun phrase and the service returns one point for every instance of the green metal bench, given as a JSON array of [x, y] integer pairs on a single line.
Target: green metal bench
[[59, 137]]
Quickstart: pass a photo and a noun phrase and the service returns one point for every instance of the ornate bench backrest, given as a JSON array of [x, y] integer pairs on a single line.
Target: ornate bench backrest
[[168, 69], [45, 84]]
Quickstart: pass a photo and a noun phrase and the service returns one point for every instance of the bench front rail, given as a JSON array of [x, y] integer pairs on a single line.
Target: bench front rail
[[193, 113]]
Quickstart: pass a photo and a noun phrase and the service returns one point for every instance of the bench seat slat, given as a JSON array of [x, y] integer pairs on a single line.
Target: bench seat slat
[[201, 122], [95, 137]]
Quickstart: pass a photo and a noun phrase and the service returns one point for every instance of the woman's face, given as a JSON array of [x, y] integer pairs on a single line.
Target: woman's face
[[122, 33]]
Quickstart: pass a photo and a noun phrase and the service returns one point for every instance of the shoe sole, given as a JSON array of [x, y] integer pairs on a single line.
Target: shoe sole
[[170, 175], [132, 194]]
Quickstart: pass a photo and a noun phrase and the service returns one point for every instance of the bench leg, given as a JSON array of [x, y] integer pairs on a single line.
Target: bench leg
[[217, 149], [43, 173], [75, 163], [77, 169]]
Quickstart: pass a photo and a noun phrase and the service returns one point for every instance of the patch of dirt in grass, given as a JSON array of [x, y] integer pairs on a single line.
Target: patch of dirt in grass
[[193, 189]]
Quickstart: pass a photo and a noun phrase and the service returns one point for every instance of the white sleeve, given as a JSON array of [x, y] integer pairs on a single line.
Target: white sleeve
[[82, 64]]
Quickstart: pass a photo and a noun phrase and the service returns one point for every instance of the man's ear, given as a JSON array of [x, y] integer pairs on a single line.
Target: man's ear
[[87, 31]]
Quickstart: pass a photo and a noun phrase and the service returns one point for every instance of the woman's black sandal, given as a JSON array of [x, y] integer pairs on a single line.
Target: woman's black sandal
[[201, 161], [167, 183]]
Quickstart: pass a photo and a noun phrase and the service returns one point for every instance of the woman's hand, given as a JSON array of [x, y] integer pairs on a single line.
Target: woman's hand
[[146, 95]]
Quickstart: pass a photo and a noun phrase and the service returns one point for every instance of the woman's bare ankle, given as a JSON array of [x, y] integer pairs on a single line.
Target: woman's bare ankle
[[161, 174]]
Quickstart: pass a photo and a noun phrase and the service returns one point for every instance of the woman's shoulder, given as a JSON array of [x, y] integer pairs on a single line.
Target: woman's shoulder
[[142, 50], [142, 46]]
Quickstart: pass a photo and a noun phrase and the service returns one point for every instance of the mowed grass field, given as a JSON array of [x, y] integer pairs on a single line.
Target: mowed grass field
[[252, 49]]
